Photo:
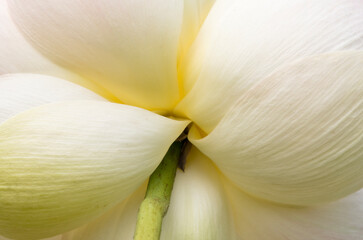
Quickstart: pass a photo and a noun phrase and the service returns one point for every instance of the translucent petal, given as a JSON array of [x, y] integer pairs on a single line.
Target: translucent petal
[[63, 164], [20, 92], [258, 220], [242, 42], [297, 136], [128, 47]]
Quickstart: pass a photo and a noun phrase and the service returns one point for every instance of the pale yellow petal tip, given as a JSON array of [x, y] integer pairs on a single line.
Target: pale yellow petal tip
[[63, 164]]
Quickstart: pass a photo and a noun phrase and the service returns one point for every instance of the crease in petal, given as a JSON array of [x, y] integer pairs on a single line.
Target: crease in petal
[[20, 92], [136, 61], [241, 42], [297, 136], [260, 220], [63, 164]]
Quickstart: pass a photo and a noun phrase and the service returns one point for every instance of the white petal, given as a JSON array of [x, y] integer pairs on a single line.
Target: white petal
[[129, 47], [297, 137], [20, 92], [62, 164], [198, 209], [243, 41], [258, 220]]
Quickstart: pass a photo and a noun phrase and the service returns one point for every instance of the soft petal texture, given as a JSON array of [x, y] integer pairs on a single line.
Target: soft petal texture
[[243, 41], [297, 137], [198, 209], [259, 220], [18, 56], [20, 92], [129, 47], [62, 164]]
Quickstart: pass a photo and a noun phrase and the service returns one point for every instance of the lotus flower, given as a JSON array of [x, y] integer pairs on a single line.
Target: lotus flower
[[93, 93]]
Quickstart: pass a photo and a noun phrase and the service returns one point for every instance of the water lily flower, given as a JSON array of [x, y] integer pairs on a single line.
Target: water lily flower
[[93, 93]]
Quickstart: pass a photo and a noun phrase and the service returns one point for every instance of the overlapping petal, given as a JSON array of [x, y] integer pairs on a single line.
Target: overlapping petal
[[198, 209], [297, 136], [259, 220], [62, 164], [242, 41], [20, 92], [128, 47]]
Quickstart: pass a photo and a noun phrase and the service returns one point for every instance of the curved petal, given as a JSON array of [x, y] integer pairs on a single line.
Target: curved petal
[[258, 220], [198, 209], [63, 164], [20, 92], [242, 42], [18, 56], [129, 47], [296, 137]]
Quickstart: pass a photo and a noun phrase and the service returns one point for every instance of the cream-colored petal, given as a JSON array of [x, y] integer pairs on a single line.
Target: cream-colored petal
[[242, 41], [129, 47], [20, 92], [63, 164], [297, 136], [198, 209], [17, 55], [258, 220]]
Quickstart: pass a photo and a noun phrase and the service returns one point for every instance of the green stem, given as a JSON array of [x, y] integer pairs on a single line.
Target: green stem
[[157, 198]]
